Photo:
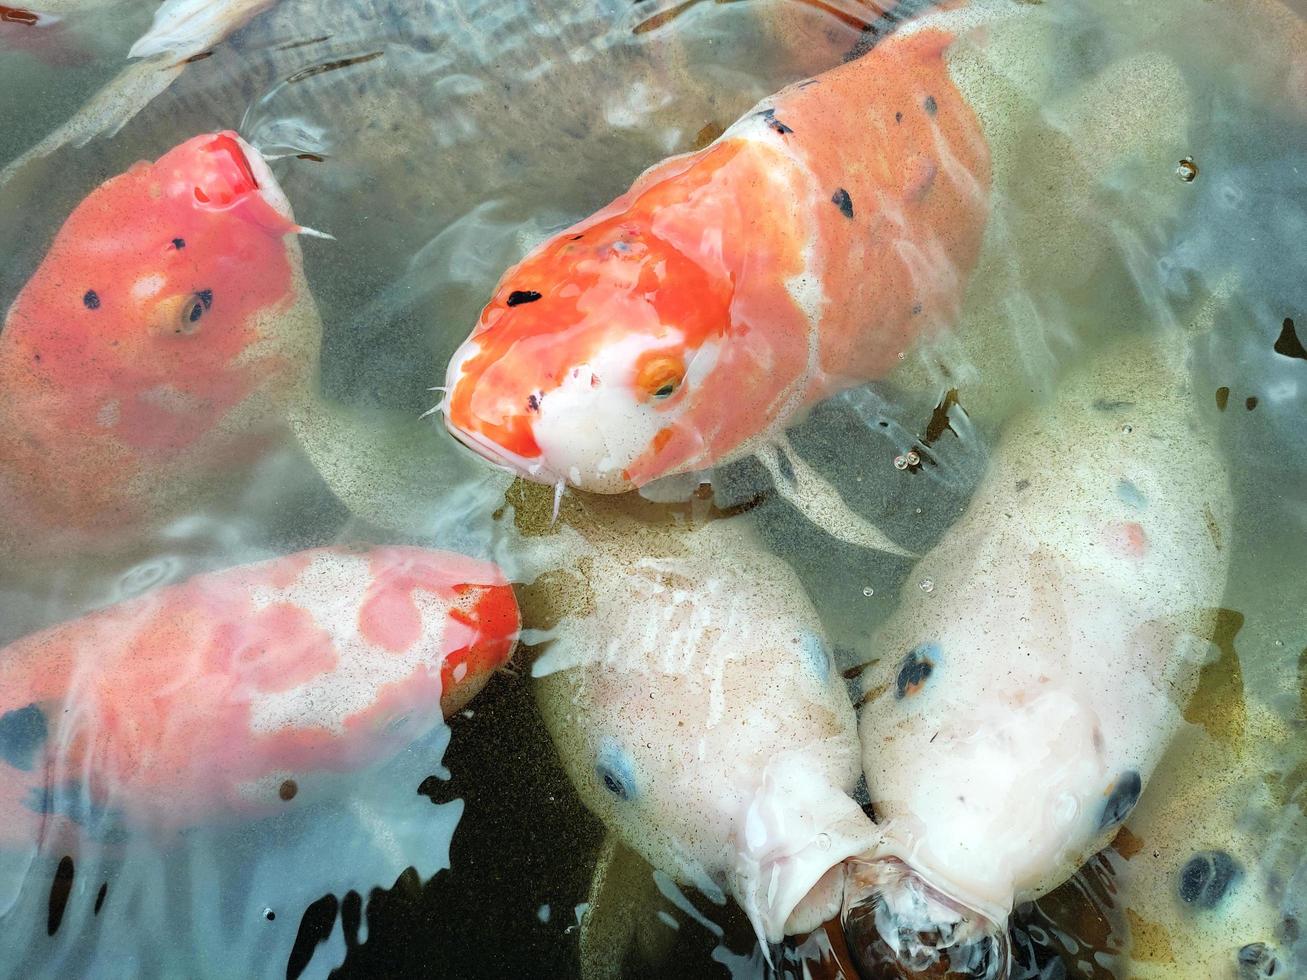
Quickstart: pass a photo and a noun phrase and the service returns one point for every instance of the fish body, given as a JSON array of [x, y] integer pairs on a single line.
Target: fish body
[[238, 691], [694, 702], [158, 345], [704, 310], [1198, 872], [1040, 660]]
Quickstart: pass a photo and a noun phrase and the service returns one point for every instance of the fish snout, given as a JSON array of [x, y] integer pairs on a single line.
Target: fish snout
[[582, 432], [899, 927]]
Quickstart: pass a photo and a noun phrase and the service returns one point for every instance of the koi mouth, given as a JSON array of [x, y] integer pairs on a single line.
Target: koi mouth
[[899, 927], [496, 454], [232, 171]]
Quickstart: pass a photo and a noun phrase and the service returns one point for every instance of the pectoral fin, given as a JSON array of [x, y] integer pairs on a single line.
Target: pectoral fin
[[623, 914]]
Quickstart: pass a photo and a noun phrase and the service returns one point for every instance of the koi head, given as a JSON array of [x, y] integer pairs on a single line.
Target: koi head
[[163, 302], [595, 351]]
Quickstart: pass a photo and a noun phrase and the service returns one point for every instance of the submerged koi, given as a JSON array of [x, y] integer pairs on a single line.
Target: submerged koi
[[159, 342], [695, 705], [1024, 695], [238, 691], [696, 317]]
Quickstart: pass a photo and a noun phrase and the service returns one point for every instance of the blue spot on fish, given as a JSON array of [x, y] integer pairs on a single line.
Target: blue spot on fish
[[1124, 796], [22, 732], [72, 800], [615, 770], [816, 655], [918, 665], [1131, 495]]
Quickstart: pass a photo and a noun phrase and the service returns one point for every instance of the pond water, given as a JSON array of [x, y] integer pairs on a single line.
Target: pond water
[[1150, 189]]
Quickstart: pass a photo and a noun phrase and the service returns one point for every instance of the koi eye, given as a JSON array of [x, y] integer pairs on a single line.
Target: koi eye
[[660, 376], [193, 309], [615, 771]]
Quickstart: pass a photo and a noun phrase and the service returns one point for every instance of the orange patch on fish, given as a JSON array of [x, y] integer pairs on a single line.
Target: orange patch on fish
[[1127, 538], [176, 706]]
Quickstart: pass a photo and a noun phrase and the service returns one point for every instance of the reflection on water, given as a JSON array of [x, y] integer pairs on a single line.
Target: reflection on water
[[438, 143]]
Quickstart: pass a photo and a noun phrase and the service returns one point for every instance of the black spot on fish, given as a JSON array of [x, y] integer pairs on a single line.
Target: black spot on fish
[[288, 790], [99, 898], [842, 201], [810, 81], [270, 915], [1250, 402], [898, 117], [179, 243], [533, 403], [91, 299], [1288, 344], [61, 886], [22, 732], [206, 297], [916, 309], [1022, 484], [770, 116], [519, 296], [1124, 796], [918, 665], [1103, 405], [1207, 877], [577, 238], [1222, 397], [931, 105]]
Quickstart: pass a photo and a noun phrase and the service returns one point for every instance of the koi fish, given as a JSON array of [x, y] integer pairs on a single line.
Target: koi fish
[[694, 702], [696, 317], [235, 692], [158, 344], [1198, 871], [1026, 691]]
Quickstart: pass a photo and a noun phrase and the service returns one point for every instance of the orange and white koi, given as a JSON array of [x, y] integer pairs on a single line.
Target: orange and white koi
[[238, 691], [159, 343], [698, 316]]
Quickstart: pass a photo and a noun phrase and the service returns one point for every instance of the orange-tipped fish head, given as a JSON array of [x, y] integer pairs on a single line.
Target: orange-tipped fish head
[[154, 312], [593, 351], [161, 342]]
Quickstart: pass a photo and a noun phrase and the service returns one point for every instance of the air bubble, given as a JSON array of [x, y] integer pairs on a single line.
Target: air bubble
[[900, 462], [1127, 428], [927, 585], [1187, 170], [823, 842], [269, 914], [868, 591]]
